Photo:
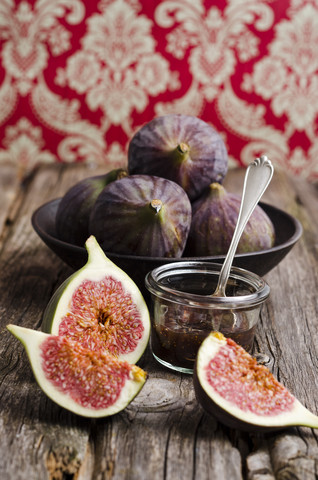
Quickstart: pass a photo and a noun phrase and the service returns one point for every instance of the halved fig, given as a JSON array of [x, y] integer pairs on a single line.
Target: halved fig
[[182, 148], [142, 215], [72, 216], [242, 394], [100, 307], [91, 384]]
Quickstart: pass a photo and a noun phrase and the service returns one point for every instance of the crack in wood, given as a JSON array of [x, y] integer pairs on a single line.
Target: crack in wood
[[63, 464]]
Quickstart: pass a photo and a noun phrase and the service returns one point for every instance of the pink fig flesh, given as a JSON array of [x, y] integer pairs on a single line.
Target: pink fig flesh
[[88, 383], [103, 316], [242, 394], [100, 307]]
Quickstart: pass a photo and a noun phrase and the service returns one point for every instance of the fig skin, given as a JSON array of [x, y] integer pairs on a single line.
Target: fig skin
[[181, 148], [72, 217], [142, 215], [214, 217], [230, 414]]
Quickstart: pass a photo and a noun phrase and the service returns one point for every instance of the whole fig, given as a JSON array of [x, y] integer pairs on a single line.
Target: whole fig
[[214, 217], [181, 148], [142, 215], [72, 216]]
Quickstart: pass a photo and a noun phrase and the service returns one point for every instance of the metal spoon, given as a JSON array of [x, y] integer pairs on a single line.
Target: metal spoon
[[257, 178]]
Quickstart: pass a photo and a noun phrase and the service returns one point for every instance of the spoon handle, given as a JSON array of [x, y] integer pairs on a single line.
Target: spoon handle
[[258, 175]]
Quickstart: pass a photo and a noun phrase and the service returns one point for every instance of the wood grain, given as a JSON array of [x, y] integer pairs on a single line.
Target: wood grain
[[163, 434]]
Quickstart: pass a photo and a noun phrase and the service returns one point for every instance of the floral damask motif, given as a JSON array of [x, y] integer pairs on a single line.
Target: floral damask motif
[[214, 38], [153, 74], [215, 42], [24, 146], [82, 73], [287, 76], [220, 41], [78, 78], [118, 67], [29, 33]]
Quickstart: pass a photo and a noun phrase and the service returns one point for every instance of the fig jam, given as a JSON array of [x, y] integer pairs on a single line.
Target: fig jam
[[184, 311], [178, 346]]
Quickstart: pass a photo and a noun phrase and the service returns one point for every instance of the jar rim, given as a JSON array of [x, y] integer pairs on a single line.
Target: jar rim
[[155, 276]]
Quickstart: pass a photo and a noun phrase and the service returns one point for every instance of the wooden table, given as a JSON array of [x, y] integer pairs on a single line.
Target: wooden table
[[163, 434]]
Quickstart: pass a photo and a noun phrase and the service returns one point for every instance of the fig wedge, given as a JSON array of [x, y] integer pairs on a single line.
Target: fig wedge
[[90, 384], [230, 385]]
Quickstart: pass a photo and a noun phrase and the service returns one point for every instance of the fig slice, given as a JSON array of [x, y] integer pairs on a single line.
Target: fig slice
[[90, 384], [100, 307], [233, 387]]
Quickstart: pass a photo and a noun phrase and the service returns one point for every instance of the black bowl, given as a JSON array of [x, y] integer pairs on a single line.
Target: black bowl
[[287, 228]]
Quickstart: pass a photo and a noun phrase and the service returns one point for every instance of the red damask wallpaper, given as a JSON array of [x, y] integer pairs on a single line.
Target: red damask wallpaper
[[78, 78]]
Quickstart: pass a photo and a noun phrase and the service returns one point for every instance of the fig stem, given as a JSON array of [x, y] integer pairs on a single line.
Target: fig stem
[[181, 153], [183, 147], [156, 204]]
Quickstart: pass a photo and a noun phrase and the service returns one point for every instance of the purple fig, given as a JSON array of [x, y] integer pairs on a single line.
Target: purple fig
[[72, 216], [181, 148], [214, 217], [142, 215]]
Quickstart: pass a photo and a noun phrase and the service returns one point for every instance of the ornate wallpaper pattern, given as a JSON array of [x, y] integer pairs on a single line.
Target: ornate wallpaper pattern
[[78, 78]]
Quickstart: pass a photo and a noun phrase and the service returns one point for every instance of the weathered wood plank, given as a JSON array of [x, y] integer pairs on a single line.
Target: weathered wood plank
[[9, 189], [288, 335], [163, 433]]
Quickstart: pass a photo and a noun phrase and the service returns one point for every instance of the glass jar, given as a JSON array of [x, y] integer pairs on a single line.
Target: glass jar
[[183, 312]]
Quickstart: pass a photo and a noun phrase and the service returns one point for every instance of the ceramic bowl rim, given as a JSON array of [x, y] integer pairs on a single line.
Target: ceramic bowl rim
[[75, 248]]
